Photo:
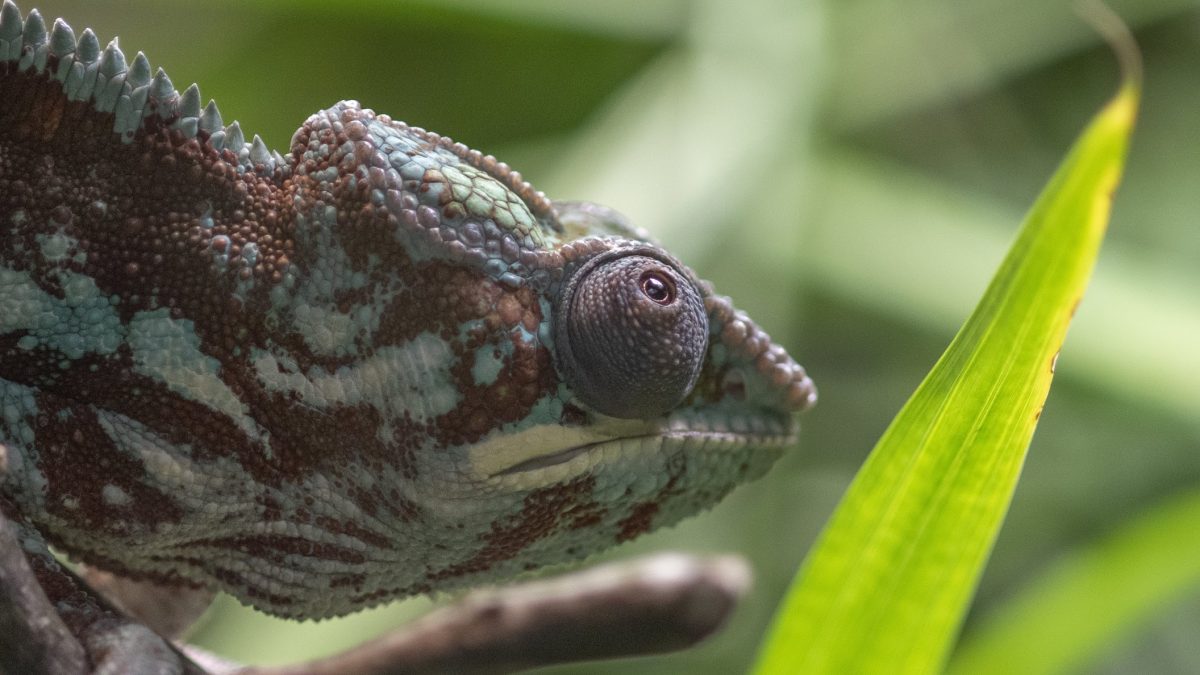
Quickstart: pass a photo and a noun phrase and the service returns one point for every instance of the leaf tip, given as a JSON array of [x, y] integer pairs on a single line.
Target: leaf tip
[[1116, 33]]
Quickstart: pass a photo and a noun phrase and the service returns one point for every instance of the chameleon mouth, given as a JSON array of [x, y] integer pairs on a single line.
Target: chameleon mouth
[[547, 461], [679, 433]]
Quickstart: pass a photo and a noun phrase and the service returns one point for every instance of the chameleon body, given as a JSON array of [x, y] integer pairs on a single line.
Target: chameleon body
[[378, 365]]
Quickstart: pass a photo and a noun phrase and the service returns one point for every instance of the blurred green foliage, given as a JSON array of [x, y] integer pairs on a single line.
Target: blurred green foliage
[[850, 171]]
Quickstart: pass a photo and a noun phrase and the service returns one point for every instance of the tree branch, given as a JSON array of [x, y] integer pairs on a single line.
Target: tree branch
[[652, 605], [33, 639]]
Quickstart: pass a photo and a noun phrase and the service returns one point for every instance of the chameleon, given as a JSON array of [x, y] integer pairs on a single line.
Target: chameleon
[[378, 365]]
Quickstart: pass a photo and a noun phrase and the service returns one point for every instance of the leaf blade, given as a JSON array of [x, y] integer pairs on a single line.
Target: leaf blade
[[886, 586]]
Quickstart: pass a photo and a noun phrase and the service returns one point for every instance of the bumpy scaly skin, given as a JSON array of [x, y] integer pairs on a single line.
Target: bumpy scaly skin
[[323, 380]]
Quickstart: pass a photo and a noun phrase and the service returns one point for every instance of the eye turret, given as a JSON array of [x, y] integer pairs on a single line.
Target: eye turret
[[631, 333]]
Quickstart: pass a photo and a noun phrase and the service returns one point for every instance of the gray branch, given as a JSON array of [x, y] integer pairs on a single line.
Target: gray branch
[[652, 605], [33, 639]]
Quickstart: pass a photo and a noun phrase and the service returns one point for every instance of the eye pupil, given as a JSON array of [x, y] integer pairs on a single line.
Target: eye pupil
[[658, 287]]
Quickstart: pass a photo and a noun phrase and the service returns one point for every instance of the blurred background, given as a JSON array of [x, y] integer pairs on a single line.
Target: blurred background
[[849, 171]]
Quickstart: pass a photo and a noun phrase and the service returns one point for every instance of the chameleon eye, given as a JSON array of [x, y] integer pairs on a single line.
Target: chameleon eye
[[631, 333]]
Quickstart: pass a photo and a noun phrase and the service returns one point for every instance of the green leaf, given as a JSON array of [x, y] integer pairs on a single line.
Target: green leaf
[[1066, 618], [886, 587]]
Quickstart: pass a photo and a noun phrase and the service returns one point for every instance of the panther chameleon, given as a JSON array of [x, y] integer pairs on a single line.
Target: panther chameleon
[[378, 365]]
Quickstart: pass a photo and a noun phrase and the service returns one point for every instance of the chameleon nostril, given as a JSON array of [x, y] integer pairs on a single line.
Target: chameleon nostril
[[734, 385]]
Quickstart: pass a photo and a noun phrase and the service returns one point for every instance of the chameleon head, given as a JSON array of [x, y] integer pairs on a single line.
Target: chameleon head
[[665, 398], [578, 386], [568, 384]]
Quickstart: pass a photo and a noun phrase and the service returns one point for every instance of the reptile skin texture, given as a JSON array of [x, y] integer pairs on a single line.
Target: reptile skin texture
[[377, 365]]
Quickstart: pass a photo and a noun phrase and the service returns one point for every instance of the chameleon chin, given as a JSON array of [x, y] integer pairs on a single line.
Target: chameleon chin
[[376, 365]]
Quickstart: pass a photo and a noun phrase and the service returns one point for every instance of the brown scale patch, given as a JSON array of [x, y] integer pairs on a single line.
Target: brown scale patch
[[352, 581], [276, 548], [366, 499], [363, 229], [351, 529], [366, 230], [432, 296], [587, 516], [65, 432], [136, 206], [292, 344], [271, 508], [384, 594], [135, 212], [407, 510], [247, 590], [109, 383], [440, 297], [641, 515], [347, 300], [639, 521], [543, 512], [407, 438], [118, 568], [526, 375], [33, 106], [305, 440], [141, 245], [165, 560], [36, 368]]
